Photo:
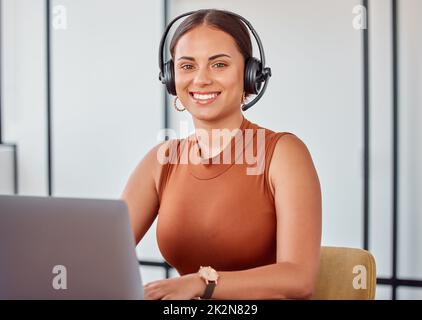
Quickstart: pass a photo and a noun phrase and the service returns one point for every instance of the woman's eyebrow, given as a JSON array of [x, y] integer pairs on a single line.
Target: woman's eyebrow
[[209, 59]]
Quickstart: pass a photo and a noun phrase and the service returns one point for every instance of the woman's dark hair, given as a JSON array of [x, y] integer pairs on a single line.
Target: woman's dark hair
[[220, 20]]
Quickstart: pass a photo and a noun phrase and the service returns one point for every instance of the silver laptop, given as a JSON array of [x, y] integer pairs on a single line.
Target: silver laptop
[[63, 248]]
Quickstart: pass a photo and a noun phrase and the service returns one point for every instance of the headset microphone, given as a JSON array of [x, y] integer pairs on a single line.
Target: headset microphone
[[255, 74]]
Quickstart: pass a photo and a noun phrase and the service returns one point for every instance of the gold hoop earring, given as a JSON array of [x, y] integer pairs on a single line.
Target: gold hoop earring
[[242, 103], [175, 105]]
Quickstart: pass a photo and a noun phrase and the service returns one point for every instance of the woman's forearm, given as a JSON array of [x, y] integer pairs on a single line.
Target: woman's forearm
[[276, 281]]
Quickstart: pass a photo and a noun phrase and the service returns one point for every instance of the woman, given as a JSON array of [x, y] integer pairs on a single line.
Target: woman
[[230, 232]]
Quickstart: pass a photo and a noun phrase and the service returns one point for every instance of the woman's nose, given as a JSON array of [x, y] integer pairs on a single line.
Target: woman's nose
[[202, 77]]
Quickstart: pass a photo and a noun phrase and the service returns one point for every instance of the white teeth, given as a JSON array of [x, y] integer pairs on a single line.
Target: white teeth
[[205, 96]]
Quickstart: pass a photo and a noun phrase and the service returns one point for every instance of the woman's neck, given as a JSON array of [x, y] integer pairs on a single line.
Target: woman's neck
[[213, 137]]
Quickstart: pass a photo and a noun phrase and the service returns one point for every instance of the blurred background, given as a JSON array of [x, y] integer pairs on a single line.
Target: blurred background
[[81, 104]]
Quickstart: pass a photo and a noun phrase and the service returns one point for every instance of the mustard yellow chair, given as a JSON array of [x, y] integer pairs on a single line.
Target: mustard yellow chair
[[345, 274]]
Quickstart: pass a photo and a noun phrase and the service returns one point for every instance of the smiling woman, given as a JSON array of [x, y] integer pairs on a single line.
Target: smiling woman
[[231, 233]]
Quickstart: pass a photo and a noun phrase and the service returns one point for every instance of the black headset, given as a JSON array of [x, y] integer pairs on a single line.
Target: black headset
[[255, 71]]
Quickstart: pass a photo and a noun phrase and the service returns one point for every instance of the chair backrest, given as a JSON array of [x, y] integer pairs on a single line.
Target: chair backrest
[[345, 274]]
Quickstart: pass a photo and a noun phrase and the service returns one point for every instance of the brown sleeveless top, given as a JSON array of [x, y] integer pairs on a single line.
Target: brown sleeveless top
[[218, 214]]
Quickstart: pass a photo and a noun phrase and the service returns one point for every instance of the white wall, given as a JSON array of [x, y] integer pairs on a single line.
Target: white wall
[[410, 105], [410, 135], [380, 72], [6, 170], [107, 109], [24, 103]]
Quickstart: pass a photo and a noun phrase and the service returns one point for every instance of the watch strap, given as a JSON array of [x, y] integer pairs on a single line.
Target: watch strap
[[209, 290]]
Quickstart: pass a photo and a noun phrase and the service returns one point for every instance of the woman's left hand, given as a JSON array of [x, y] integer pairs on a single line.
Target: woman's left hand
[[186, 287]]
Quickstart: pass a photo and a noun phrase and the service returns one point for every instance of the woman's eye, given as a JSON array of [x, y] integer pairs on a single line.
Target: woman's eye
[[187, 67], [220, 65]]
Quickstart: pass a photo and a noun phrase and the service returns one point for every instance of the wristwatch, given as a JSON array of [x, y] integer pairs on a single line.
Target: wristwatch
[[210, 277]]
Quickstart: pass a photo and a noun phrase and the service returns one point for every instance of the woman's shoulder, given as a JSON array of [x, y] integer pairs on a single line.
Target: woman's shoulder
[[288, 146], [290, 154], [159, 156], [160, 153], [288, 140]]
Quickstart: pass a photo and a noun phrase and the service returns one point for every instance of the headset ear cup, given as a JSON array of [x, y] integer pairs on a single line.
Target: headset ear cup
[[169, 77], [253, 80]]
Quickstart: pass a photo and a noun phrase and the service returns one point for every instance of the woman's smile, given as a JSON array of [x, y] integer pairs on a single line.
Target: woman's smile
[[204, 98]]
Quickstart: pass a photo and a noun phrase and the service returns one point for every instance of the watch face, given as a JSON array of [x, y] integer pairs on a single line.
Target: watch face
[[208, 273]]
